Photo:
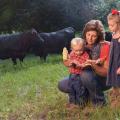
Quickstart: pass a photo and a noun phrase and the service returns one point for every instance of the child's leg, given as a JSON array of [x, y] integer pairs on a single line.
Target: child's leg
[[72, 91], [80, 91], [78, 97]]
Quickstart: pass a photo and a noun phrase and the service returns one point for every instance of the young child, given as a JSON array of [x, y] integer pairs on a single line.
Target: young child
[[113, 78], [75, 61]]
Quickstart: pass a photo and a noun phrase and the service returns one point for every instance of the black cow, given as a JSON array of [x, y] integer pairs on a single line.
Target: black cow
[[17, 45], [54, 42]]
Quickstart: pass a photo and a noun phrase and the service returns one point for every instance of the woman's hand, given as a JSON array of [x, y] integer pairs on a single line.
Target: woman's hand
[[118, 71], [94, 65], [89, 61], [86, 64], [98, 61]]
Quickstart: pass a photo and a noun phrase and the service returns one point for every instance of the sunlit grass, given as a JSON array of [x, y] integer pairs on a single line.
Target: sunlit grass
[[29, 92]]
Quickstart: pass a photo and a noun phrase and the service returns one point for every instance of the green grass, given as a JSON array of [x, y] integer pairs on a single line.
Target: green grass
[[29, 92]]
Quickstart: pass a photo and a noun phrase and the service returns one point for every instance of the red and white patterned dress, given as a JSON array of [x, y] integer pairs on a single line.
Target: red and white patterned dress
[[80, 59]]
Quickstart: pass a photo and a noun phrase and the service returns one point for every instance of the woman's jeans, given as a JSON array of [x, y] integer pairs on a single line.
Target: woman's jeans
[[95, 85]]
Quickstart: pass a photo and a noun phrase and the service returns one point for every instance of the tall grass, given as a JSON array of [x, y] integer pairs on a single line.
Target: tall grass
[[29, 92]]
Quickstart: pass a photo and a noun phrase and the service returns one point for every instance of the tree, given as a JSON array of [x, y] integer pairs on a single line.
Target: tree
[[52, 15]]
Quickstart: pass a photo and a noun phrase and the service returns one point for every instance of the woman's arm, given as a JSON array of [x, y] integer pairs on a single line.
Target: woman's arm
[[100, 70], [103, 69]]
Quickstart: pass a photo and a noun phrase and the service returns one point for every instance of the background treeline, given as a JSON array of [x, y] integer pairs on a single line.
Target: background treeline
[[52, 15]]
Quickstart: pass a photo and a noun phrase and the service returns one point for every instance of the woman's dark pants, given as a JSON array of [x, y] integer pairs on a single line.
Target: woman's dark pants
[[95, 86]]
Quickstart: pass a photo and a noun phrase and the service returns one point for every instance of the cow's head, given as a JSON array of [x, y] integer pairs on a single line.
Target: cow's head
[[36, 35], [37, 43]]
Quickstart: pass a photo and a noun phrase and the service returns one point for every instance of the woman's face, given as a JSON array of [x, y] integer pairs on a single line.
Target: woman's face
[[91, 37]]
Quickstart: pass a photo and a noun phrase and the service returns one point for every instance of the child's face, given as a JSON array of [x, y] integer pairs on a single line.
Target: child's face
[[113, 25], [78, 49]]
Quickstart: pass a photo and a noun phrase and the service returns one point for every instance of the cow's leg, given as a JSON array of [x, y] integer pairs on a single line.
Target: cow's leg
[[44, 57], [14, 61], [21, 59]]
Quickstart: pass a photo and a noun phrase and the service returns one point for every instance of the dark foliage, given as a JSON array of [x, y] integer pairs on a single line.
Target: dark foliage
[[51, 15]]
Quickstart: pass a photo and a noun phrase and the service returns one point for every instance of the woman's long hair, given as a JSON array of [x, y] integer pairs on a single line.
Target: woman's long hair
[[94, 25]]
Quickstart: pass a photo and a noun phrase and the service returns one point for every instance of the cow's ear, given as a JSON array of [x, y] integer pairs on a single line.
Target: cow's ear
[[34, 32]]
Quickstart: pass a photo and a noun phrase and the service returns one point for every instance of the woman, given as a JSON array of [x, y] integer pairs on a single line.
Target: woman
[[93, 78]]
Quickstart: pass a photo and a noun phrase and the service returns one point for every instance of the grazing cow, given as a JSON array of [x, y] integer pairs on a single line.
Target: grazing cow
[[54, 42], [108, 36], [17, 45]]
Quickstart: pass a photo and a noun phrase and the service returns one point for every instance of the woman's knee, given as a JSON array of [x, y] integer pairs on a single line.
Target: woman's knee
[[87, 76], [63, 85]]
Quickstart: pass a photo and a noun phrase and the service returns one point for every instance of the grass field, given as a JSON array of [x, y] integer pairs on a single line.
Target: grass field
[[29, 92]]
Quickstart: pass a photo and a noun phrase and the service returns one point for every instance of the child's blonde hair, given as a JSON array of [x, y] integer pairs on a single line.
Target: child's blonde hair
[[114, 15], [76, 41]]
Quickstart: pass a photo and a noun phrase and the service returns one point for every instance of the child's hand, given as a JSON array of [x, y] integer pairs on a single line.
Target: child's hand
[[70, 64], [73, 63], [76, 64], [65, 53], [86, 65], [89, 61], [118, 71]]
